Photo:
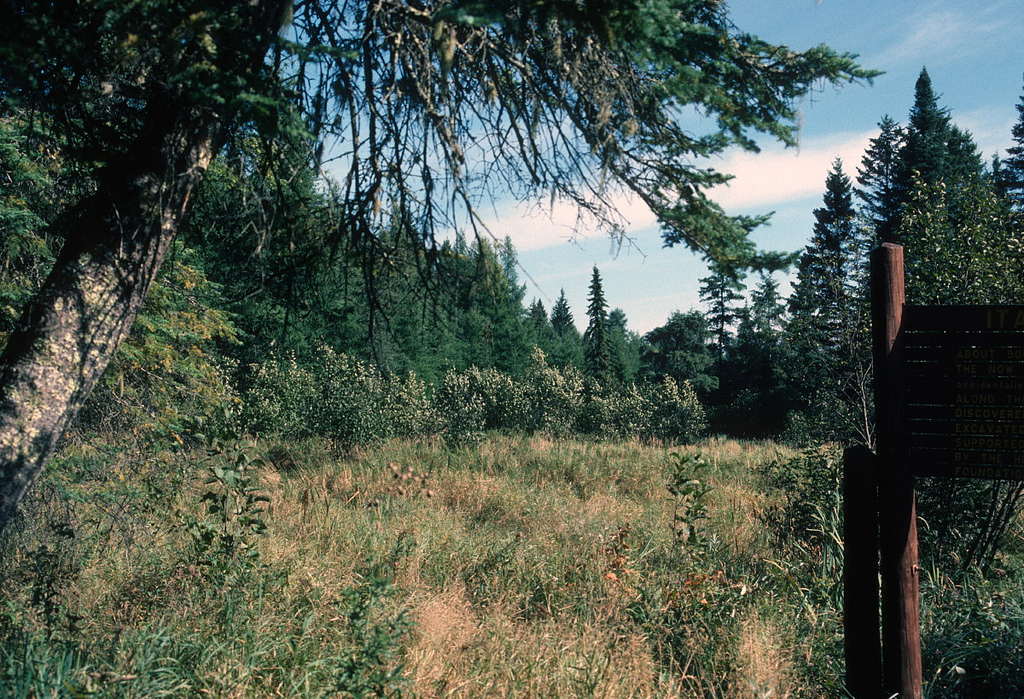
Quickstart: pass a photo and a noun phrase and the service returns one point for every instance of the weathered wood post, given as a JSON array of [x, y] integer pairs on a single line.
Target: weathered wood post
[[901, 632], [860, 574]]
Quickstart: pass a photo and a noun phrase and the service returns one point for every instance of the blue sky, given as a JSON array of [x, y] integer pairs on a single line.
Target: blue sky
[[974, 53]]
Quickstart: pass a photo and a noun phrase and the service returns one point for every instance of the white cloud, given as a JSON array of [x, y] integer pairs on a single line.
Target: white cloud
[[777, 175], [537, 226], [945, 32], [763, 181]]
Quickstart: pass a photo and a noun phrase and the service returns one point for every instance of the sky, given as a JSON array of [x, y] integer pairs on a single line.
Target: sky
[[974, 53]]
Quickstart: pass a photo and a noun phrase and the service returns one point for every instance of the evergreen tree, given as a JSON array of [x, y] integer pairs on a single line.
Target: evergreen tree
[[964, 164], [539, 329], [935, 150], [1014, 164], [491, 323], [681, 349], [825, 328], [924, 154], [1002, 181], [944, 190], [757, 371], [878, 177], [623, 348], [721, 291], [596, 352], [829, 270], [568, 347], [510, 267], [561, 317]]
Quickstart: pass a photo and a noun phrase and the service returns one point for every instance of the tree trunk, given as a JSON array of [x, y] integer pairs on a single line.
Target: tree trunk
[[69, 332], [116, 241]]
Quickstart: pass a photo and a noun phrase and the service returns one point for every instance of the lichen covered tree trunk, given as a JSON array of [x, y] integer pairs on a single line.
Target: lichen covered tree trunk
[[118, 236], [69, 332]]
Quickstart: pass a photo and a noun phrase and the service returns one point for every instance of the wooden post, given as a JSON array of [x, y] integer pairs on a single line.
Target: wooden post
[[860, 574], [901, 630]]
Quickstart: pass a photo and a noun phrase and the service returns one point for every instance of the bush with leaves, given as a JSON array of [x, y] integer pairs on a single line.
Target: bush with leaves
[[552, 397], [277, 396], [224, 534], [627, 411], [481, 399], [808, 487], [460, 411], [409, 406], [678, 414], [349, 405], [348, 401], [665, 411]]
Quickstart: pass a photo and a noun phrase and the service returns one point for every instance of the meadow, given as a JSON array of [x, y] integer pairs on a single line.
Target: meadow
[[508, 566]]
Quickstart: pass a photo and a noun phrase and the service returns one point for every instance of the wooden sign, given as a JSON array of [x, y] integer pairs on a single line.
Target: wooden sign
[[965, 390]]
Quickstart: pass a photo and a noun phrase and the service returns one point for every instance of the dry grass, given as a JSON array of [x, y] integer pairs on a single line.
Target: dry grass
[[764, 660], [530, 567]]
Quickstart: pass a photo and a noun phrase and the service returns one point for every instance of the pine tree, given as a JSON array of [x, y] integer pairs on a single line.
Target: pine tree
[[537, 315], [964, 164], [561, 317], [1014, 164], [539, 327], [567, 350], [878, 177], [756, 374], [828, 272], [924, 154], [824, 328], [596, 353], [623, 348], [721, 291]]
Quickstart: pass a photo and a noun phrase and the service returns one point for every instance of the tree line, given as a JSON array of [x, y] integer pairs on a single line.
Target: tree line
[[229, 301]]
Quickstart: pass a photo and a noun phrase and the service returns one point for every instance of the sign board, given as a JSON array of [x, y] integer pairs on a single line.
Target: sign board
[[965, 390]]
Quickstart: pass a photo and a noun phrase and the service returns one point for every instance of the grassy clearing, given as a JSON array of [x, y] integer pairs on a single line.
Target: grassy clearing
[[516, 567]]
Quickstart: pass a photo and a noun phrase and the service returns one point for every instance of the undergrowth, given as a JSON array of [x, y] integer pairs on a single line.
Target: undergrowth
[[511, 567]]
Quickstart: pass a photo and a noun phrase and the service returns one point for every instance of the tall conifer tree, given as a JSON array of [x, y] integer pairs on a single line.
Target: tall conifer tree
[[595, 338], [824, 324], [568, 347], [879, 182], [721, 291], [623, 348], [1014, 163], [824, 295], [561, 317], [924, 154], [758, 367], [541, 333]]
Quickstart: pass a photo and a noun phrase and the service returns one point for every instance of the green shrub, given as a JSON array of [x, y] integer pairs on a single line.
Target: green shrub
[[807, 487], [338, 397], [678, 415], [552, 397], [351, 403], [277, 398], [460, 411], [664, 411], [410, 408]]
